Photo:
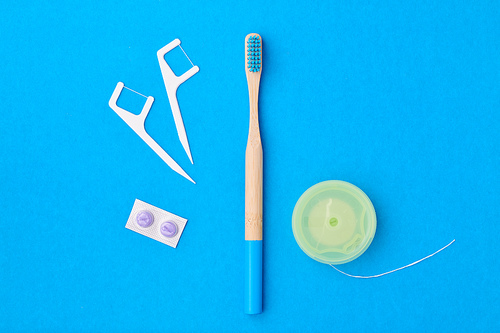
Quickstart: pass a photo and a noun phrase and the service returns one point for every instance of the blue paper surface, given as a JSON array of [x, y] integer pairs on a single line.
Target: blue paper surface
[[400, 99]]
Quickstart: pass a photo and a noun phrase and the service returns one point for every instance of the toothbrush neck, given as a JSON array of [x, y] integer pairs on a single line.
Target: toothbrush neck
[[253, 94]]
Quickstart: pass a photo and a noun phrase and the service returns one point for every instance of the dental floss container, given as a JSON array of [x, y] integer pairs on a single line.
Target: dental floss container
[[334, 222]]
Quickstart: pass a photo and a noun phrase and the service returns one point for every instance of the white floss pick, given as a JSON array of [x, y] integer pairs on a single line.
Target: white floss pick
[[156, 223], [172, 83], [394, 270], [136, 123]]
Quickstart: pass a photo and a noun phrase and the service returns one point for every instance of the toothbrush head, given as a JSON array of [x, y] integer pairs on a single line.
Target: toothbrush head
[[254, 53]]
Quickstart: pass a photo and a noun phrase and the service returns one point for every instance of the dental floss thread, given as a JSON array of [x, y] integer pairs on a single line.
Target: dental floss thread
[[394, 270]]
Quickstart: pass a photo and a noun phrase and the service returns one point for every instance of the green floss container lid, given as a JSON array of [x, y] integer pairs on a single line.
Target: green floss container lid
[[334, 222]]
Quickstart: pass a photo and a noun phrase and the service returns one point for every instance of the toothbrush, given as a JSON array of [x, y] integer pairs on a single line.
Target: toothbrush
[[253, 181]]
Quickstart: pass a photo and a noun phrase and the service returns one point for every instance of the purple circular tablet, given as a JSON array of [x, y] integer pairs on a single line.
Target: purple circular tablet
[[168, 229], [144, 219]]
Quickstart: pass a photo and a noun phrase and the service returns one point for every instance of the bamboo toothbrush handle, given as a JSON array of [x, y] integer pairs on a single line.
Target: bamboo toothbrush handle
[[253, 184]]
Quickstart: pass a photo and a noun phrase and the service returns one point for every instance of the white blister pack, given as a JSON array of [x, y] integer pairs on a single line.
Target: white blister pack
[[156, 223]]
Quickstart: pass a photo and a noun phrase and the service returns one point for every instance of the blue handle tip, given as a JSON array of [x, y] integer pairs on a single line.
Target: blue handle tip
[[253, 277]]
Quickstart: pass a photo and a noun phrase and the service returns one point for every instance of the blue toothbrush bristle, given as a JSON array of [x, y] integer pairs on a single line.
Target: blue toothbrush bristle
[[254, 53]]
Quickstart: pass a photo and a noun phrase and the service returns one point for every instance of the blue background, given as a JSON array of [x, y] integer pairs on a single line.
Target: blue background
[[401, 100]]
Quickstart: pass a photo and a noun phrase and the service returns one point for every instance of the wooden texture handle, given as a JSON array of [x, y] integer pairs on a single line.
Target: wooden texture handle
[[253, 163], [253, 189]]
